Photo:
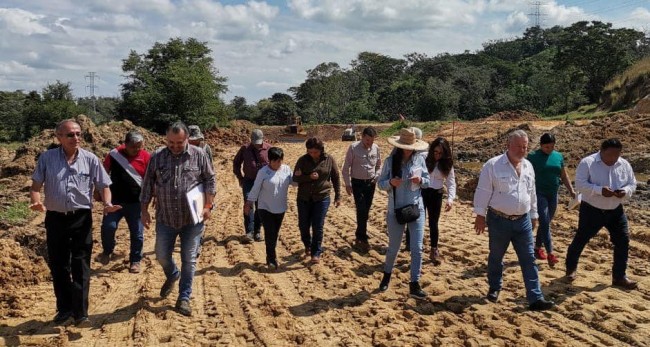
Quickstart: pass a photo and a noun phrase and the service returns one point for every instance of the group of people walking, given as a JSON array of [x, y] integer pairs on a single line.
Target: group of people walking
[[517, 191]]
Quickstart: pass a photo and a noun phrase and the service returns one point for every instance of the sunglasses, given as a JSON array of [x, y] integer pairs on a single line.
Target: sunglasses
[[71, 135]]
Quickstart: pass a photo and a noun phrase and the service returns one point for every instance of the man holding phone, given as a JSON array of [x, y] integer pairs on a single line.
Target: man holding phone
[[605, 180]]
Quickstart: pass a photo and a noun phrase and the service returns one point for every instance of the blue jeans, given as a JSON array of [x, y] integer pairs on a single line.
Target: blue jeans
[[501, 232], [252, 223], [363, 192], [395, 232], [546, 206], [130, 212], [591, 220], [312, 214], [190, 236]]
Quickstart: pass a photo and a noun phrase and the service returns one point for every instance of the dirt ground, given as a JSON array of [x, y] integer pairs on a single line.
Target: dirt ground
[[237, 301]]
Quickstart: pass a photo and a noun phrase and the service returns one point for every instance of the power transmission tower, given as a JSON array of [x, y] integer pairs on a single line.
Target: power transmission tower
[[90, 77], [536, 13]]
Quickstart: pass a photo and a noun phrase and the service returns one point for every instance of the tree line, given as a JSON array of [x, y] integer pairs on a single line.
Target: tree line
[[546, 71]]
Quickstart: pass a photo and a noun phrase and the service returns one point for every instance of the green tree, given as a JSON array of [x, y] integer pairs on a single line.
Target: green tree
[[173, 81], [325, 94], [277, 109], [239, 109], [599, 51], [104, 110], [11, 109]]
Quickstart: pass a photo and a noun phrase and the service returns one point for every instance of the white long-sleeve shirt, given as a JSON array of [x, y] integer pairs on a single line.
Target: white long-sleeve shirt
[[501, 188], [271, 188], [361, 163], [437, 180], [593, 174]]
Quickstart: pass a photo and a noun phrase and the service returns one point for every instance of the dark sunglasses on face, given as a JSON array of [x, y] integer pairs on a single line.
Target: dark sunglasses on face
[[71, 135]]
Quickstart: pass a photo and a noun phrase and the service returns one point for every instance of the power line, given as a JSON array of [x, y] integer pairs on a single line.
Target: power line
[[536, 13], [91, 88]]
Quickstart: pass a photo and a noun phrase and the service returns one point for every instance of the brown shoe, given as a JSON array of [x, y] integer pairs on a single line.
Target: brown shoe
[[625, 283], [315, 259], [135, 267], [362, 246], [571, 275], [436, 259]]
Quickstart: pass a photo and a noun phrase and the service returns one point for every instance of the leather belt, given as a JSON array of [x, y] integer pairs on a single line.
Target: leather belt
[[506, 216], [69, 213], [370, 180]]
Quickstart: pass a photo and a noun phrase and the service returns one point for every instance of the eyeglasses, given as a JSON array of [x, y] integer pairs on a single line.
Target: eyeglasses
[[71, 135]]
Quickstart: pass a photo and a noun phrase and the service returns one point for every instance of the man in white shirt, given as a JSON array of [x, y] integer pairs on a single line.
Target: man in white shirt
[[605, 181], [505, 200]]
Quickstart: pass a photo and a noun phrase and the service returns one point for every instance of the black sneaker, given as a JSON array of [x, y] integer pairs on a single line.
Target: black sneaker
[[272, 264], [183, 307], [62, 317], [383, 286], [104, 258], [83, 322], [416, 292], [541, 305], [493, 295], [248, 238], [362, 246], [168, 285], [258, 237]]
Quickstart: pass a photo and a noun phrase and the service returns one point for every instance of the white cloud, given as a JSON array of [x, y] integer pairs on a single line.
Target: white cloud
[[231, 22], [262, 47], [14, 68], [22, 22], [108, 22], [388, 15], [556, 14], [273, 85], [127, 6]]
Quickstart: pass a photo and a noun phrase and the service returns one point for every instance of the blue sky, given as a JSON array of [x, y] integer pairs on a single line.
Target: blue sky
[[262, 47]]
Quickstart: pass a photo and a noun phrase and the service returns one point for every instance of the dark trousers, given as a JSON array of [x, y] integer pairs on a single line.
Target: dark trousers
[[272, 223], [363, 192], [312, 214], [252, 223], [591, 220], [130, 212], [69, 246], [432, 199]]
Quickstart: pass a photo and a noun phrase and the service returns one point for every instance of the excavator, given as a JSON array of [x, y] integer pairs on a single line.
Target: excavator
[[294, 132]]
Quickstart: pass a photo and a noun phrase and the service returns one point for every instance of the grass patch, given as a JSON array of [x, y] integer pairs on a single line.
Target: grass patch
[[394, 128], [429, 127], [583, 112], [11, 146], [16, 213]]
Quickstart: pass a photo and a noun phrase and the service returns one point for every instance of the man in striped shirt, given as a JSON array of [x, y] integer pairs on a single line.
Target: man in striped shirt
[[69, 174], [173, 172]]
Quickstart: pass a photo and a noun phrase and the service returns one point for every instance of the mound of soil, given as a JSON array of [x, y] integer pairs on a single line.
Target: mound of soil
[[18, 268], [517, 115], [97, 139]]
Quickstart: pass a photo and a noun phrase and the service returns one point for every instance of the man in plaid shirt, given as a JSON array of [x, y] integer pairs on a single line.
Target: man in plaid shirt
[[172, 172]]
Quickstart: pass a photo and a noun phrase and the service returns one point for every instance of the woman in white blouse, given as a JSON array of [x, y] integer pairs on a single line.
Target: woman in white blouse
[[270, 191], [441, 172]]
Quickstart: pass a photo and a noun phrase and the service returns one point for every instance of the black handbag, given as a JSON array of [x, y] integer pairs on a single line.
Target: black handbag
[[406, 214]]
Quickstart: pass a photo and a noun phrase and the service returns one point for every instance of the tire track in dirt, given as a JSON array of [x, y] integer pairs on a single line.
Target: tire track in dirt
[[281, 289]]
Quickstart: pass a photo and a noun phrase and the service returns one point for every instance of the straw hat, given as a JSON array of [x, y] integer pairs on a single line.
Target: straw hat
[[408, 140]]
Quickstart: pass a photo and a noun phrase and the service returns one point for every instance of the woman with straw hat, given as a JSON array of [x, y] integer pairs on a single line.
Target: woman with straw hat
[[403, 176]]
